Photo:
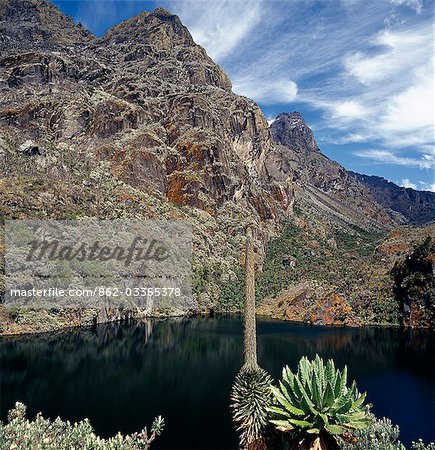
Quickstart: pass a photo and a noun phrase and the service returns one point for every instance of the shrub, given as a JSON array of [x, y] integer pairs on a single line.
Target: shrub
[[19, 433], [420, 445], [381, 435], [315, 406]]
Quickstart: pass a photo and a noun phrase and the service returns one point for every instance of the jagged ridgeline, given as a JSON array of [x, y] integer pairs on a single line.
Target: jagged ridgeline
[[141, 123]]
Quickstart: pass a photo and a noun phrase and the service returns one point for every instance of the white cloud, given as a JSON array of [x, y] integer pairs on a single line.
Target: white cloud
[[395, 98], [407, 183], [401, 51], [414, 4], [348, 110], [413, 109], [388, 157], [219, 26], [266, 91], [427, 186]]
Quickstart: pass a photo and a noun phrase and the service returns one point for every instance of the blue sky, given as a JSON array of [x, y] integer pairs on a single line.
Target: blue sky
[[361, 72]]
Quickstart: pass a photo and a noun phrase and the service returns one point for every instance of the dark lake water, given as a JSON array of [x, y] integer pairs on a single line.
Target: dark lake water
[[123, 375]]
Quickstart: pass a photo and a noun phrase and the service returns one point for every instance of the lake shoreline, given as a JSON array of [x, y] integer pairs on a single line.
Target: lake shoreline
[[24, 332]]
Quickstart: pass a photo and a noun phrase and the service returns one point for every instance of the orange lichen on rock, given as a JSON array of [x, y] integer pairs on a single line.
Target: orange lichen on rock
[[175, 192], [332, 310]]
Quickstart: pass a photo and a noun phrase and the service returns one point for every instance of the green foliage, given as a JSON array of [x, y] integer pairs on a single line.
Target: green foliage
[[13, 312], [317, 399], [381, 435], [275, 277], [201, 274], [20, 434], [232, 296], [250, 397], [420, 445], [361, 242]]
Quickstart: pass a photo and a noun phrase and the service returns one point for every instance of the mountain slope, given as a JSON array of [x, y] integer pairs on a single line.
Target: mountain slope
[[321, 185], [41, 25], [142, 124], [418, 207]]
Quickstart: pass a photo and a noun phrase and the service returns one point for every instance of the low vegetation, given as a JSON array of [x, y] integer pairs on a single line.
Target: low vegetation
[[339, 262], [21, 434], [312, 409]]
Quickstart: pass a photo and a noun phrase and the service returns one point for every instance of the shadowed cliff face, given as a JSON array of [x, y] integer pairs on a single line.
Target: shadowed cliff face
[[417, 207], [290, 129]]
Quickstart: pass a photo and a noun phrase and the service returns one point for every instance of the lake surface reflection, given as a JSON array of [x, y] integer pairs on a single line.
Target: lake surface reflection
[[120, 376]]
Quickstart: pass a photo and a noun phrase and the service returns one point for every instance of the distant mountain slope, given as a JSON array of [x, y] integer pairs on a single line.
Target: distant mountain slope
[[417, 206], [324, 188]]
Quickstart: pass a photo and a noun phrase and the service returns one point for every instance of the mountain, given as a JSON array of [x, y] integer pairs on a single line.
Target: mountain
[[291, 130], [142, 124], [41, 25], [322, 186], [417, 207]]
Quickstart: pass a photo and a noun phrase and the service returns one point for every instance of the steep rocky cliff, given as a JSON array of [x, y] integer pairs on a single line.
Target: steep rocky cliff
[[138, 124], [417, 207]]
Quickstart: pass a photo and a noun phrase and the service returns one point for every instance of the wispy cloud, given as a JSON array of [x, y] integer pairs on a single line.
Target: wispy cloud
[[426, 161], [407, 183], [415, 4], [266, 90], [219, 26], [388, 91]]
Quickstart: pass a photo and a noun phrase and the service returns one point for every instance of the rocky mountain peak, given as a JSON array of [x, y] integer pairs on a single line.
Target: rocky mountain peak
[[37, 24], [159, 43], [291, 130], [160, 28]]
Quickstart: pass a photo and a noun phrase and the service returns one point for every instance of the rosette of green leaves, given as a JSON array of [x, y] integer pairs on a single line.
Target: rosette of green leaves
[[317, 399]]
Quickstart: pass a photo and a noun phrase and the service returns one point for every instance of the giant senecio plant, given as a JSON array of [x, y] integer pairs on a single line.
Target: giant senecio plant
[[315, 405]]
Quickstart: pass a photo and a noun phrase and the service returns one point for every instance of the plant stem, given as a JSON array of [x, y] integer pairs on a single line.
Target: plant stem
[[250, 332]]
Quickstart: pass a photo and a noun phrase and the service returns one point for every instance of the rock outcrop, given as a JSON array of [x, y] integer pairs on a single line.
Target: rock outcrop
[[414, 278], [290, 129]]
